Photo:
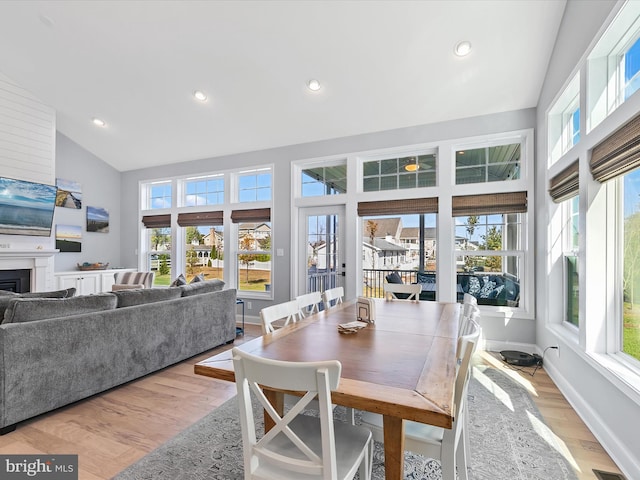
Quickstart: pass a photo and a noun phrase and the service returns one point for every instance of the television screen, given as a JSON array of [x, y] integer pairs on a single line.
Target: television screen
[[26, 208]]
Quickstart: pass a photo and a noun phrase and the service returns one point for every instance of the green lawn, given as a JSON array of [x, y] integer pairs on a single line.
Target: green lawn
[[631, 330]]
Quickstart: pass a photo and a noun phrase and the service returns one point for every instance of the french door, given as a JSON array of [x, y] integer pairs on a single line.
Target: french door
[[321, 250]]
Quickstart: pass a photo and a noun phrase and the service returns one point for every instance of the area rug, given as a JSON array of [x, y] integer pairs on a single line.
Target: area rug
[[509, 441]]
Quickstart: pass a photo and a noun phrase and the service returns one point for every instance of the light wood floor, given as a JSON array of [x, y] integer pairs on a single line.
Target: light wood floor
[[115, 429]]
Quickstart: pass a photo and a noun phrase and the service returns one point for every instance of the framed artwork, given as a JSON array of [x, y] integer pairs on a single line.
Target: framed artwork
[[69, 194], [69, 238], [97, 220]]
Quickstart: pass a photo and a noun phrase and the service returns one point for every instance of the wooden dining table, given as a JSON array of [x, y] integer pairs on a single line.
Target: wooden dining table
[[402, 366]]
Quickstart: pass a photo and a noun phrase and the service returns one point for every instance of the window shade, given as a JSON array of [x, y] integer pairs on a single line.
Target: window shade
[[157, 221], [200, 219], [252, 215], [565, 184], [392, 207], [617, 154], [488, 204]]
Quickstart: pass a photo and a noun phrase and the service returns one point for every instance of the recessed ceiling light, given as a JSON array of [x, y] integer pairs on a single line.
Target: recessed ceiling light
[[462, 48], [200, 96], [99, 122], [313, 85]]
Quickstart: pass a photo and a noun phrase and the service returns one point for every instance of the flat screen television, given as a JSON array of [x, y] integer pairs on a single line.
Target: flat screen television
[[26, 208]]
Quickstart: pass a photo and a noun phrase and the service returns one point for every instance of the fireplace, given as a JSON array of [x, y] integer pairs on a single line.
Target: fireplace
[[35, 267], [18, 281]]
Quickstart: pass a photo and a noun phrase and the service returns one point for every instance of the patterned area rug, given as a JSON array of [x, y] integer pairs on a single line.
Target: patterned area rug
[[509, 441]]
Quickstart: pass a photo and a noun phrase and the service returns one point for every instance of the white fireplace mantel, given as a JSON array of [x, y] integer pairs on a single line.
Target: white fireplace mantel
[[39, 261]]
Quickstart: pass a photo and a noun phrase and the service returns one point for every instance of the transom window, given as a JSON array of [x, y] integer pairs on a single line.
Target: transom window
[[488, 164], [399, 173], [254, 186], [207, 190], [631, 59], [159, 195], [321, 181]]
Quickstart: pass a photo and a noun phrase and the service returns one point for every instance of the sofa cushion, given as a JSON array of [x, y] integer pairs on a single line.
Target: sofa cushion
[[202, 287], [6, 297], [29, 309], [180, 280], [128, 298]]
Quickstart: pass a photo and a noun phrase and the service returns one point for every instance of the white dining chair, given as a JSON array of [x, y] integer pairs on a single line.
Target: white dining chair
[[408, 291], [335, 294], [309, 303], [287, 312], [298, 445], [446, 445]]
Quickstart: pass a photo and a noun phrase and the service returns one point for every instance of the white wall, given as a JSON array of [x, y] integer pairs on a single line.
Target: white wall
[[100, 188], [609, 408]]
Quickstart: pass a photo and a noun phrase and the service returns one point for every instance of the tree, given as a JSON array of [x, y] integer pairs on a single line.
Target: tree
[[158, 237], [630, 280], [164, 266], [470, 227], [493, 241], [193, 236], [247, 243], [192, 259], [265, 244], [372, 226]]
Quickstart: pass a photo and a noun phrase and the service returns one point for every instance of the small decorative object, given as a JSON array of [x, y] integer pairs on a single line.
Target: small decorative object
[[351, 327], [365, 310], [97, 220], [86, 266]]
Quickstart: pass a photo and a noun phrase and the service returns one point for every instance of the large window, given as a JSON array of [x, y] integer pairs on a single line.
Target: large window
[[399, 173], [571, 233], [159, 254], [325, 180], [159, 195], [254, 256], [489, 257], [488, 164], [206, 190], [204, 253], [630, 252]]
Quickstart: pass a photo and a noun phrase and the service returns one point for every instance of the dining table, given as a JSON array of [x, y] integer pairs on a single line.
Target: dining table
[[402, 365]]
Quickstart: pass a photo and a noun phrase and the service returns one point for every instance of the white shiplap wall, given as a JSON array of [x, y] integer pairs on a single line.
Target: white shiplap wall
[[27, 135]]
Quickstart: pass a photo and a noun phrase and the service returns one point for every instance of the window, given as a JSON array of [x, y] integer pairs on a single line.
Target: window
[[630, 252], [614, 65], [489, 257], [393, 243], [254, 185], [159, 254], [488, 164], [399, 173], [207, 190], [159, 195], [564, 121], [571, 233], [254, 257], [321, 181]]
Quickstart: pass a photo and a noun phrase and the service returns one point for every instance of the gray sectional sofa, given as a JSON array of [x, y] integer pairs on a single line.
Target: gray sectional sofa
[[55, 351]]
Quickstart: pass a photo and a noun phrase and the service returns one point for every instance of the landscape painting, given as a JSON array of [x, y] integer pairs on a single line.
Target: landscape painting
[[69, 238], [69, 194], [97, 220]]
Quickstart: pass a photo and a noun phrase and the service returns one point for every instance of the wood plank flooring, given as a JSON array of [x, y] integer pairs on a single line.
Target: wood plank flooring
[[114, 429]]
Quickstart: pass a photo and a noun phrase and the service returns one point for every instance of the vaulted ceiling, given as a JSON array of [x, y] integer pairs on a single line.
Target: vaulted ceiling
[[381, 65]]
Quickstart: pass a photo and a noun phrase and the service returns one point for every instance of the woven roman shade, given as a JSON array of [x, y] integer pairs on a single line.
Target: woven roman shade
[[157, 221], [488, 204], [395, 207], [200, 219], [252, 215], [565, 184], [617, 154]]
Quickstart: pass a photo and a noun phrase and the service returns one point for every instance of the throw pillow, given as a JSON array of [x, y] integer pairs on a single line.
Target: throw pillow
[[5, 299], [198, 278], [202, 287], [180, 280], [394, 277], [29, 309]]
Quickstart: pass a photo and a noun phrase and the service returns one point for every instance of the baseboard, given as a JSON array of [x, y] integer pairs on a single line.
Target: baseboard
[[619, 452], [497, 346]]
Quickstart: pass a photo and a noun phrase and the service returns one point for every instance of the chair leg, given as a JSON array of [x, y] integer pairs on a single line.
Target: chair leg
[[461, 459], [448, 464]]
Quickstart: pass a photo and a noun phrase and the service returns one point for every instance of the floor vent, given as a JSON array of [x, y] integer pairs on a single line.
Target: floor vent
[[608, 475]]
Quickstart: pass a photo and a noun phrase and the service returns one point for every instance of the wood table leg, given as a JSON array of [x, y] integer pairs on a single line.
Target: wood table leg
[[393, 428], [277, 400]]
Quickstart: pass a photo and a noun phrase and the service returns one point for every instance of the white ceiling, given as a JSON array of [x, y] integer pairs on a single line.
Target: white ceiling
[[382, 64]]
